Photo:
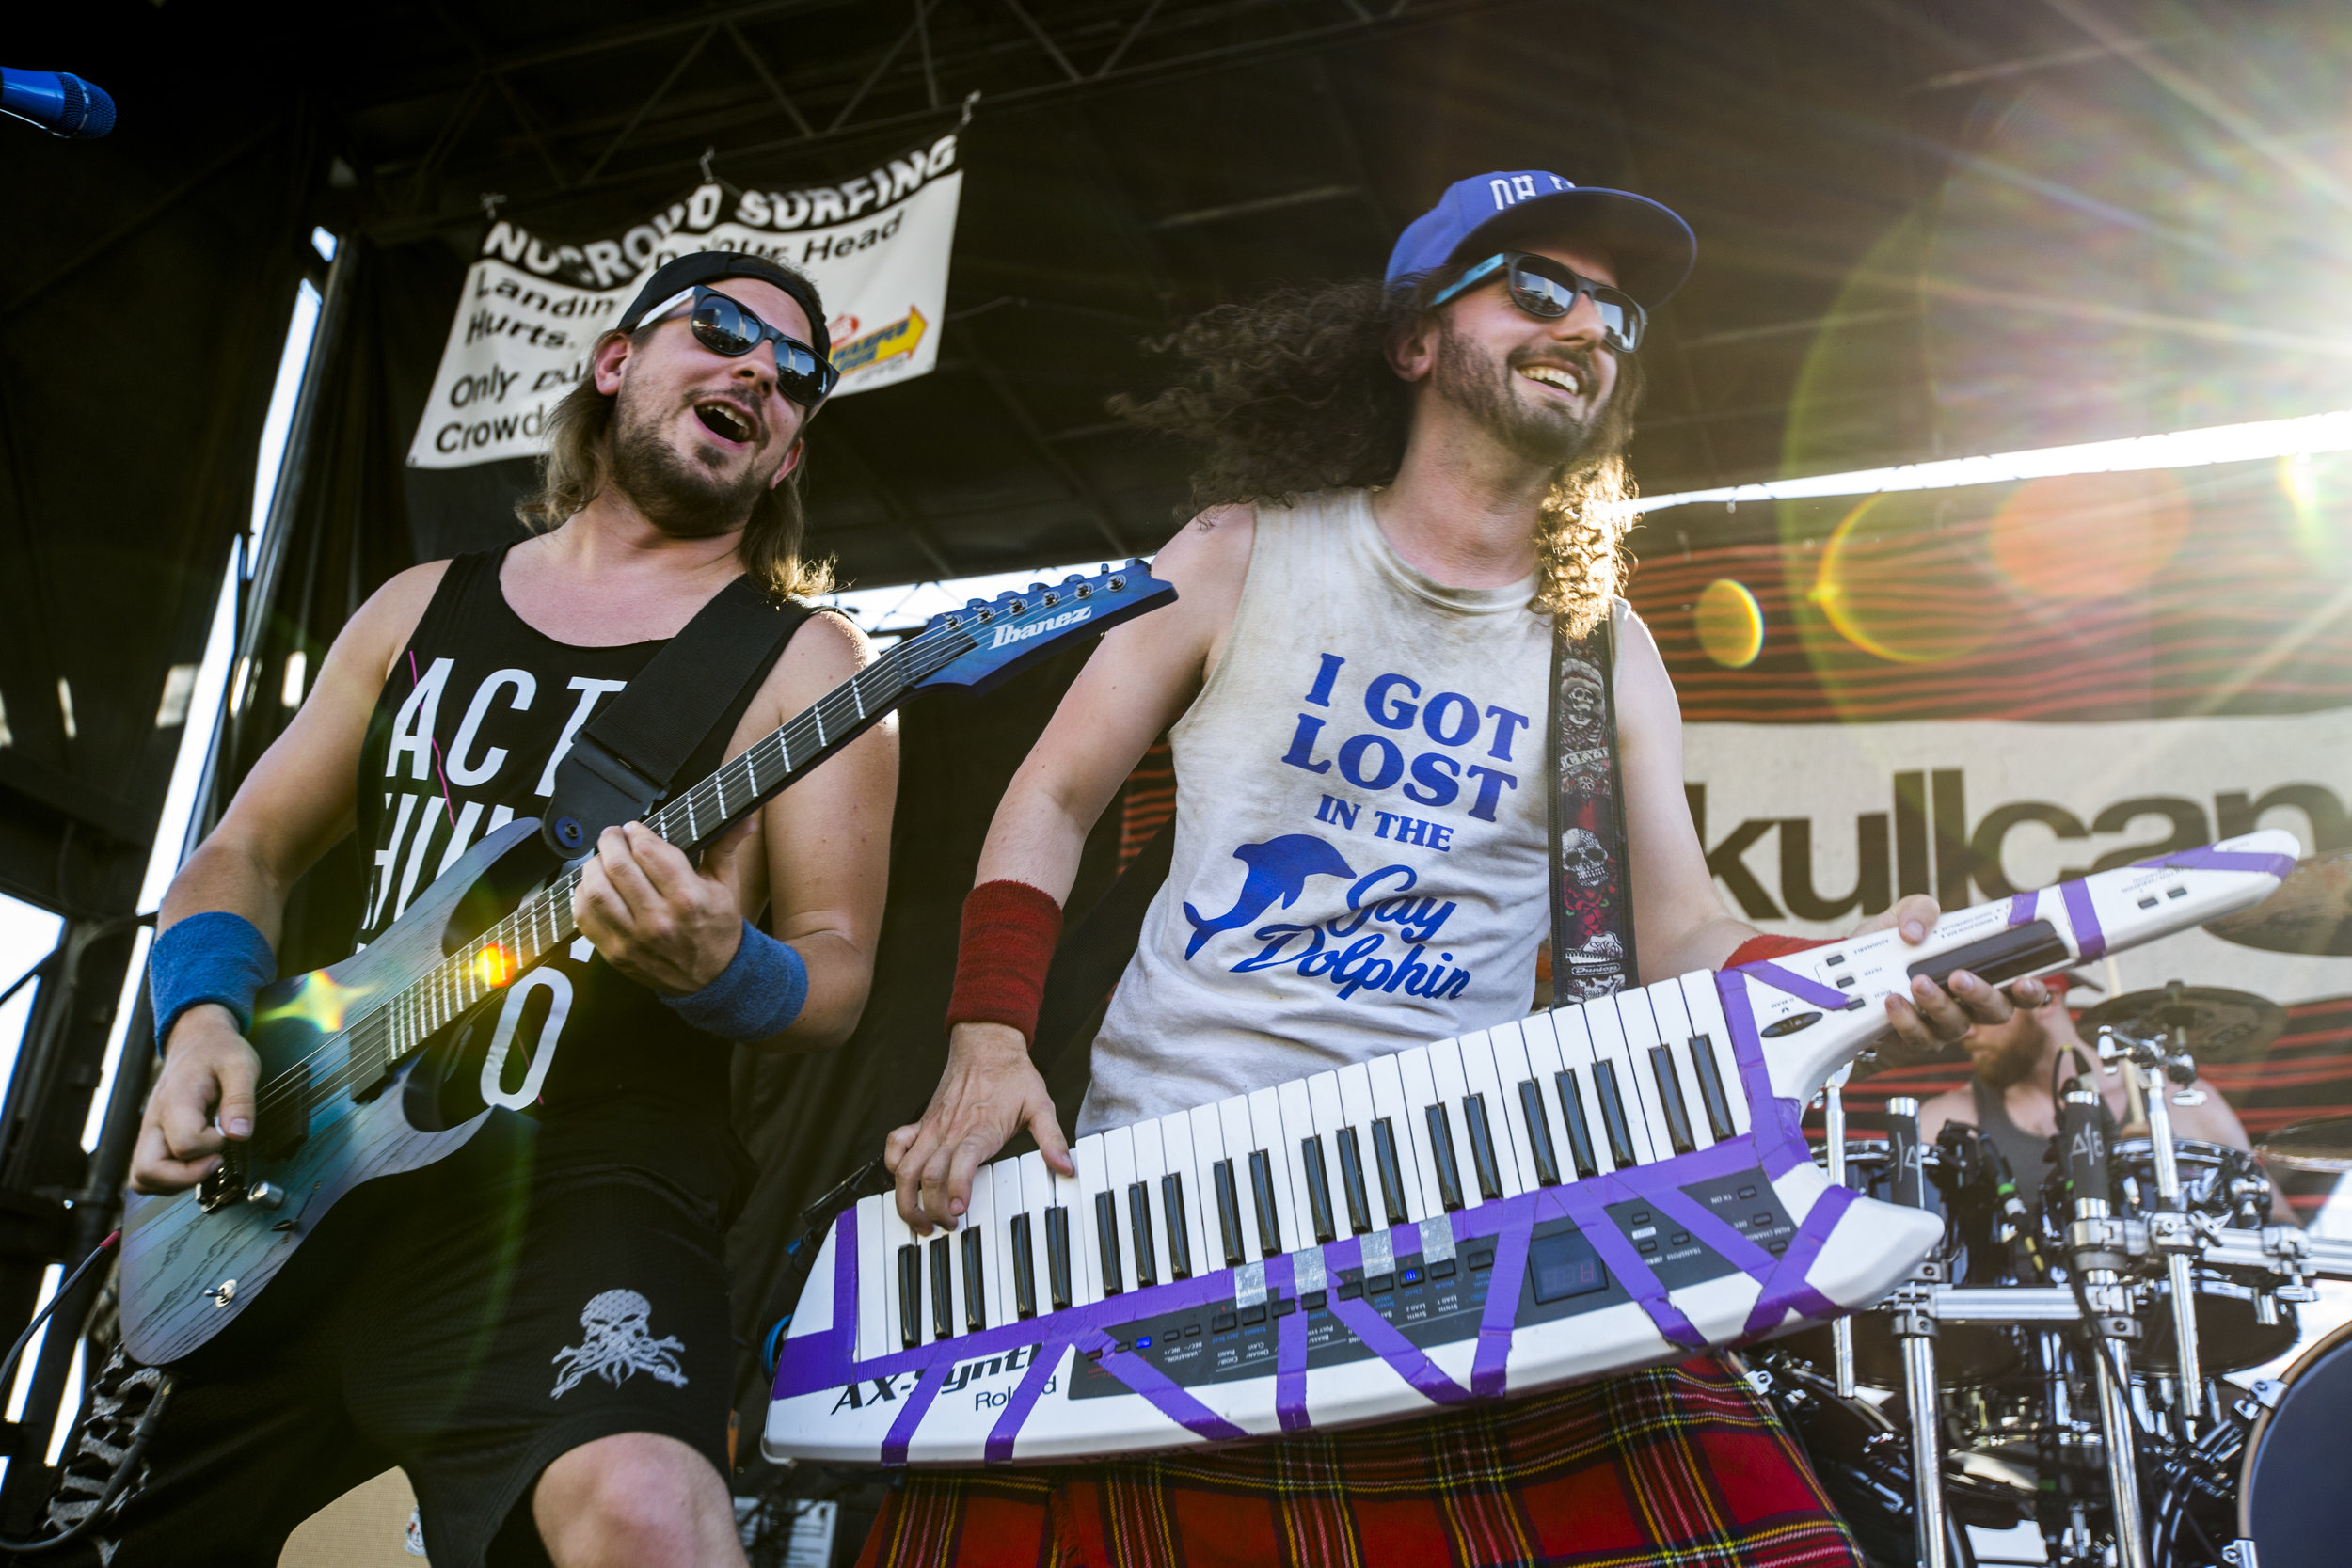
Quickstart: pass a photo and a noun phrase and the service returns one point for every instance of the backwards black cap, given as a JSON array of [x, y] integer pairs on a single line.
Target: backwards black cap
[[703, 266]]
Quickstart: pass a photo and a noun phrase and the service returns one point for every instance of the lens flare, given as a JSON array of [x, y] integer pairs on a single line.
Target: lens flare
[[1729, 623], [2318, 491], [1870, 586], [493, 966], [2090, 537], [318, 1002]]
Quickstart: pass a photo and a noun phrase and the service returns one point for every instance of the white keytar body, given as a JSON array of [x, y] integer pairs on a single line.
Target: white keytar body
[[846, 1412]]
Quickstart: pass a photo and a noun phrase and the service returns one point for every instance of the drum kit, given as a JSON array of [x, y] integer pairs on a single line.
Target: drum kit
[[2063, 1360]]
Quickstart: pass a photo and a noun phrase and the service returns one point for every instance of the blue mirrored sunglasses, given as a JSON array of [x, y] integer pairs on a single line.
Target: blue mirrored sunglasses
[[727, 327], [1543, 288]]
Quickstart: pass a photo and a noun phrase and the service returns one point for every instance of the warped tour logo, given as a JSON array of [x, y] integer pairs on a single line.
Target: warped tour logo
[[900, 336]]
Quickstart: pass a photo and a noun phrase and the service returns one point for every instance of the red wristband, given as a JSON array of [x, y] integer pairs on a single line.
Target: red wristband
[[1010, 929], [1758, 948]]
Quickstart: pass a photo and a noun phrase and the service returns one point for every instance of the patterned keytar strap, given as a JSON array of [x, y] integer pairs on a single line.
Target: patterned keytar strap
[[1592, 884]]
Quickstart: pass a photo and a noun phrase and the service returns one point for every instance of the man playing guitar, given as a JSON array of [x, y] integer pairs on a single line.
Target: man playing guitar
[[535, 1328], [1408, 490]]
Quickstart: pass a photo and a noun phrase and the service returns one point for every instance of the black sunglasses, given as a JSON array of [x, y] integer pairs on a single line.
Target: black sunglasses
[[726, 326], [1542, 287]]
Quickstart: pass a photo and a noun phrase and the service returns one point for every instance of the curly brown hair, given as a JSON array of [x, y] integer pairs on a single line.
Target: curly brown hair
[[1294, 393], [578, 465]]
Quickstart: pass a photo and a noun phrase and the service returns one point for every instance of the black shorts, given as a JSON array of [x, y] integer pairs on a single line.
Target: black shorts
[[479, 1319]]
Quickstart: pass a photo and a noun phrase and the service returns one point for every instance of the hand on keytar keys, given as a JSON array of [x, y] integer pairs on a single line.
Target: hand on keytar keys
[[203, 1100], [1934, 1016], [990, 1091]]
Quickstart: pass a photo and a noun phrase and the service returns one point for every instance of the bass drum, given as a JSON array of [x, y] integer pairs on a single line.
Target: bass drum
[[2293, 1499]]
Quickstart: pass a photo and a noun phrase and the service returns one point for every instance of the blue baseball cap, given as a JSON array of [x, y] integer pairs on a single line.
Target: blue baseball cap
[[1651, 247]]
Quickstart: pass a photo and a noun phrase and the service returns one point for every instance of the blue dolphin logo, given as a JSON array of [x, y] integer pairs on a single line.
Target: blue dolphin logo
[[1278, 868]]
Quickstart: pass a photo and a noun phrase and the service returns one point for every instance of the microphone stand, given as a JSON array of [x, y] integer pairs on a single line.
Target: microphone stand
[[2092, 1244], [1913, 1323]]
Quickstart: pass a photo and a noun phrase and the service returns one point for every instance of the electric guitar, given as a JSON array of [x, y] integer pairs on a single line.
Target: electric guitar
[[360, 1071]]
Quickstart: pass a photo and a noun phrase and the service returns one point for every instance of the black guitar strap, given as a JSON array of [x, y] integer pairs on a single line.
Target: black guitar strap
[[627, 757], [1592, 881]]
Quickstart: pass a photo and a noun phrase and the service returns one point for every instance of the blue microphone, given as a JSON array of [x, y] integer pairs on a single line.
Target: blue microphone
[[57, 101]]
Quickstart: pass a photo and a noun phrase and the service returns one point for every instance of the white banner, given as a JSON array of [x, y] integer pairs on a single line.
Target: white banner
[[877, 246], [1809, 827]]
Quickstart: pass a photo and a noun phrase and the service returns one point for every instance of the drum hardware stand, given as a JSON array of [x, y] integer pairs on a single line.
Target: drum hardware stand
[[2172, 1230], [1834, 1121], [2109, 1303], [1912, 1317]]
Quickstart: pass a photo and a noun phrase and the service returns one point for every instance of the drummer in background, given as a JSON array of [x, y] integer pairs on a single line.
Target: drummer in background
[[2008, 1098]]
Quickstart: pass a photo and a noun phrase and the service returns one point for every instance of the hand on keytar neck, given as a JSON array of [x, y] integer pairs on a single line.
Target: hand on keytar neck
[[202, 1101], [1935, 1016], [654, 915], [990, 1091]]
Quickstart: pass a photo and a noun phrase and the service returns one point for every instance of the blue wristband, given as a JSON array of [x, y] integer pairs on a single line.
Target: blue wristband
[[758, 994], [210, 956]]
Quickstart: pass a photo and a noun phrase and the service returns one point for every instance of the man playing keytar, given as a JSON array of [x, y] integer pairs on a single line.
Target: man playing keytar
[[1408, 484], [536, 1328]]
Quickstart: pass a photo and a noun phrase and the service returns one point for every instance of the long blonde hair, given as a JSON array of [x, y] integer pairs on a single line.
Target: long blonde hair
[[577, 466], [1294, 393]]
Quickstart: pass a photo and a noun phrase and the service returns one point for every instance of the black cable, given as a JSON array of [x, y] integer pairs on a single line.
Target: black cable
[[146, 1428]]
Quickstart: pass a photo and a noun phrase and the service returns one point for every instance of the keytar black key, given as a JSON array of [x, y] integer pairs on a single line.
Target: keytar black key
[[1318, 1189], [1662, 1064], [974, 1282], [1710, 1087], [1262, 1198], [1058, 1255], [1228, 1212], [1540, 1134], [1441, 1152], [911, 1295], [1580, 1131], [1613, 1114], [1106, 1242], [1024, 1268], [1352, 1184], [1482, 1139], [943, 1289], [1179, 1233], [1391, 1175], [1139, 1227]]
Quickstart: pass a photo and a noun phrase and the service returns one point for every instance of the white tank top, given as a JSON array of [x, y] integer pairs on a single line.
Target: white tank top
[[1359, 863]]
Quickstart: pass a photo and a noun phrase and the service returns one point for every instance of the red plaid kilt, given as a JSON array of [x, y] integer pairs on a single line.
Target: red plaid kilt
[[1674, 1467]]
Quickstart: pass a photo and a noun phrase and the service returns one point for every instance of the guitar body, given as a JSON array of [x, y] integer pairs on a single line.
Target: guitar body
[[190, 1271]]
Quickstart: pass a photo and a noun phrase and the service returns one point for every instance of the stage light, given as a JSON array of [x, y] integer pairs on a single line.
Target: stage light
[[2183, 449]]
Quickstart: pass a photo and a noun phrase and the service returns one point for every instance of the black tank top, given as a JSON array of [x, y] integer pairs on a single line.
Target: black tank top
[[465, 738], [2027, 1155]]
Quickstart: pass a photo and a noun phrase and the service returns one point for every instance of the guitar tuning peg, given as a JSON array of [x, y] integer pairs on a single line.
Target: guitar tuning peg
[[1037, 588], [1104, 570], [1072, 579], [975, 604]]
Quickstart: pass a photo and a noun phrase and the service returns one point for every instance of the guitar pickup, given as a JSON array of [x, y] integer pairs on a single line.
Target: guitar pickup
[[283, 1125], [227, 1185]]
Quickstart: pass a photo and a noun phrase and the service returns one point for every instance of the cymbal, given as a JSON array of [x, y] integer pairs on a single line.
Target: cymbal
[[2323, 1144], [2310, 914], [2221, 1025]]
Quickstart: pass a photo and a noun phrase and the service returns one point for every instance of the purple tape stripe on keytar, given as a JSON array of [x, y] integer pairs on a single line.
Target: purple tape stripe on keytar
[[1290, 1349], [1797, 985], [1169, 1397], [1007, 1431], [918, 1404], [1490, 1369], [2210, 859], [1584, 1202], [1381, 1337], [2020, 907], [1787, 1289], [1775, 1122], [844, 1291], [2089, 939]]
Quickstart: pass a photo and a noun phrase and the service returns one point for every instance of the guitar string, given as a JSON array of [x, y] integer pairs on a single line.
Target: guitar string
[[371, 1046]]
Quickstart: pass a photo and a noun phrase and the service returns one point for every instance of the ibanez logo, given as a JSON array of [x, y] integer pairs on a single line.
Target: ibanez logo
[[1009, 635]]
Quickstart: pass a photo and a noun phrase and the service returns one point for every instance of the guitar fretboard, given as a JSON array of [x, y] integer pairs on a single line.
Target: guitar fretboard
[[383, 1036]]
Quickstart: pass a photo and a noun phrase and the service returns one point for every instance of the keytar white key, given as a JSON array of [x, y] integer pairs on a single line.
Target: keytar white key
[[1269, 1135], [1087, 1154], [1673, 1026], [1481, 1079], [1609, 1046], [1572, 1029], [1705, 1007], [1507, 1056], [1640, 1034], [1002, 1308], [1192, 1257], [1385, 1074], [1119, 1175], [1445, 1076], [871, 1251]]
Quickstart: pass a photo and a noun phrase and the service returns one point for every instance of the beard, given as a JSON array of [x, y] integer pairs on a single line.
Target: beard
[[686, 497], [1481, 386], [2013, 1055]]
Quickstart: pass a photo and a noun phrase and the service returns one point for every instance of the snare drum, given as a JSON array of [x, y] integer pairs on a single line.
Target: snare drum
[[2293, 1500]]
